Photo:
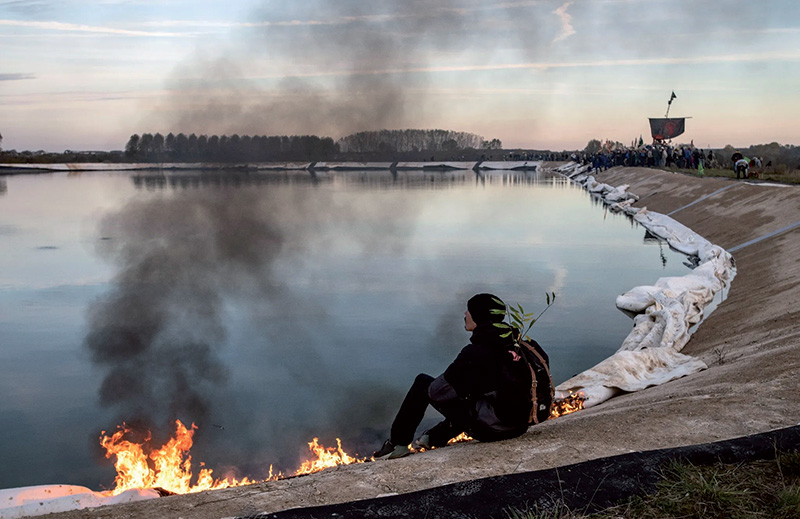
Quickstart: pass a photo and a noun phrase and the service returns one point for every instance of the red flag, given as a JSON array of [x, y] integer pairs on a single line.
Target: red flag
[[662, 129]]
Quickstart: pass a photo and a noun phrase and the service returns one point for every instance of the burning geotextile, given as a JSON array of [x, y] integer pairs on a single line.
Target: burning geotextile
[[665, 312]]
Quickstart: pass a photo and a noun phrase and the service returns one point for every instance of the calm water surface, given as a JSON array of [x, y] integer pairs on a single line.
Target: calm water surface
[[270, 308]]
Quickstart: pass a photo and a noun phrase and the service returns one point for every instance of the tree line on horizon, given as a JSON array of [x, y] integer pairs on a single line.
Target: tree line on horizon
[[192, 148], [389, 141], [235, 148]]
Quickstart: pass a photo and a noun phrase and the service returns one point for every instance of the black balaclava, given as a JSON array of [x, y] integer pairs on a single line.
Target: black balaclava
[[480, 307]]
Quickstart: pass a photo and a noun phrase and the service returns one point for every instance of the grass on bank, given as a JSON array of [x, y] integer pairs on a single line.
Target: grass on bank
[[759, 489], [772, 174]]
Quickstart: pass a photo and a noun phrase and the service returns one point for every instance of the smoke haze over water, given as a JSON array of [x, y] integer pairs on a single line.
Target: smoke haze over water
[[193, 266]]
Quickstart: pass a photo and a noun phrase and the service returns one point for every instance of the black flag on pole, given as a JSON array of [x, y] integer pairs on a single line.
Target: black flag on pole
[[662, 129], [673, 96]]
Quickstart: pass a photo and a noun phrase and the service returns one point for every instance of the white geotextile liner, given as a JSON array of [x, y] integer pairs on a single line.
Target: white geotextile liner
[[509, 164], [665, 312], [353, 165], [434, 165], [51, 499]]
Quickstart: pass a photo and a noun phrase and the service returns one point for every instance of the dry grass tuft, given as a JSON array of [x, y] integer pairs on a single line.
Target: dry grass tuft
[[761, 489]]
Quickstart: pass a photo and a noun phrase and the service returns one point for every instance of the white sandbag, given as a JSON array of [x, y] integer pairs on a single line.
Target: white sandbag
[[625, 205], [592, 395], [51, 499], [579, 171], [663, 325], [593, 186], [678, 236], [571, 169], [619, 193], [664, 312], [630, 371]]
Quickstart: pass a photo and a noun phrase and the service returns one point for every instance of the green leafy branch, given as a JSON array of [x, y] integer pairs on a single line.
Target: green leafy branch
[[520, 320]]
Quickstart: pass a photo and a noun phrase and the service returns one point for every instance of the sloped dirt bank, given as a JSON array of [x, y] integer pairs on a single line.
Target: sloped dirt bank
[[751, 344], [588, 486]]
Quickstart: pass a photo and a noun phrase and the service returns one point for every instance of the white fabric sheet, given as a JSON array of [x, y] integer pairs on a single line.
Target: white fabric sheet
[[51, 499], [664, 312]]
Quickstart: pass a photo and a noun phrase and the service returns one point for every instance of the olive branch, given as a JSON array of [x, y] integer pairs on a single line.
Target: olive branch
[[519, 319]]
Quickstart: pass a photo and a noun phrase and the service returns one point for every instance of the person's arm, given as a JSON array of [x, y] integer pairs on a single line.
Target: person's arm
[[464, 371]]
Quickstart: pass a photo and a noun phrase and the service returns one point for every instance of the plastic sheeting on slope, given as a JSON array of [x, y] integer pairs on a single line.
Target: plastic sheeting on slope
[[443, 166], [51, 499], [509, 165], [664, 312], [352, 166]]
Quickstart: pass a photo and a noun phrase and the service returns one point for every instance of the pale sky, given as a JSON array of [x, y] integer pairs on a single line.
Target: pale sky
[[542, 74]]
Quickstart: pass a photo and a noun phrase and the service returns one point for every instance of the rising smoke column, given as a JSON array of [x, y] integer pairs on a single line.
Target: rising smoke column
[[338, 67], [157, 331]]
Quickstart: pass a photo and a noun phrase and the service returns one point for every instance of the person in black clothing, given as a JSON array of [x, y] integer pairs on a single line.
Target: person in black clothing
[[476, 393]]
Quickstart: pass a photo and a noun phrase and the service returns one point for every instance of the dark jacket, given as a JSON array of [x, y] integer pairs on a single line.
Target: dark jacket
[[485, 380], [476, 370]]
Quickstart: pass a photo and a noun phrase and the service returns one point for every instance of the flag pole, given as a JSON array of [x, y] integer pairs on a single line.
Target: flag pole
[[669, 104]]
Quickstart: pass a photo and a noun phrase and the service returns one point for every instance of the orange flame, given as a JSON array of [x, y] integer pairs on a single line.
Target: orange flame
[[326, 458], [570, 404], [168, 467], [463, 437]]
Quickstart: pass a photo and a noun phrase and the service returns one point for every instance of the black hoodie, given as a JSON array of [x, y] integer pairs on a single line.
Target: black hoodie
[[485, 366]]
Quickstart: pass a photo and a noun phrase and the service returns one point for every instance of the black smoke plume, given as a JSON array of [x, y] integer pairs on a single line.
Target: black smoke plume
[[191, 260], [337, 67]]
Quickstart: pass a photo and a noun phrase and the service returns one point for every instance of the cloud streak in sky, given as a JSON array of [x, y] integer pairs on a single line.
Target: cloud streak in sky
[[15, 76], [72, 27], [430, 11], [566, 22], [683, 60]]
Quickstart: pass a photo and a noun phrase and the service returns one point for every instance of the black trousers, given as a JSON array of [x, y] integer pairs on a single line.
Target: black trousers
[[412, 411]]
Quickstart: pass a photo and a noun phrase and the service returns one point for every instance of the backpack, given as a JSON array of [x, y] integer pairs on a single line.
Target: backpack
[[542, 388], [525, 393]]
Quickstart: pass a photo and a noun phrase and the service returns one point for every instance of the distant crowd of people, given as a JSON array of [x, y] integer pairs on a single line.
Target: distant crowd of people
[[684, 156], [656, 155]]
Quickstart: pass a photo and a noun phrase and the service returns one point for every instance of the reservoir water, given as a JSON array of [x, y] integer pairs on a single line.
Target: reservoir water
[[273, 307]]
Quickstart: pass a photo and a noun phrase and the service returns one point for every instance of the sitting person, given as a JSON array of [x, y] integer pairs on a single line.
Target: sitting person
[[485, 392]]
